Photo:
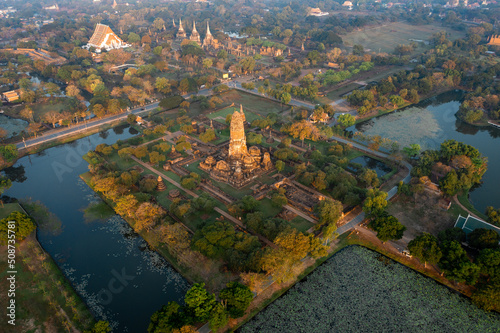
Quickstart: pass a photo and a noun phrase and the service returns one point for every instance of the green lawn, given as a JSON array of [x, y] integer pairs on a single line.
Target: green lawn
[[301, 224], [464, 200], [9, 208], [260, 105], [267, 208], [220, 115]]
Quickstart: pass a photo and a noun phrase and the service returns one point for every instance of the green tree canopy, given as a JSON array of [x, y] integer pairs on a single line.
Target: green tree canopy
[[200, 302], [23, 226], [387, 227], [483, 238], [426, 248], [237, 297]]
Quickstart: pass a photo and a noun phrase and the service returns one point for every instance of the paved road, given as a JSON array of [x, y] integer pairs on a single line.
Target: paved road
[[84, 126], [392, 192]]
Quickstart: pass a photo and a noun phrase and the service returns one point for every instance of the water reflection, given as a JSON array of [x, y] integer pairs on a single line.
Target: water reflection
[[433, 121], [16, 174], [91, 254]]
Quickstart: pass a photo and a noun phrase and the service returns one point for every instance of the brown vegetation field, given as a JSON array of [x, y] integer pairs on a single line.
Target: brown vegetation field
[[386, 37]]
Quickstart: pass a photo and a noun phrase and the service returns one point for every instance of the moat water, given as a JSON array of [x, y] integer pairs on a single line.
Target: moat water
[[433, 121], [109, 265]]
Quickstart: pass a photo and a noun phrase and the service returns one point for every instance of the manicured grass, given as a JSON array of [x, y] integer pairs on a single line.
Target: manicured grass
[[456, 210], [464, 200], [9, 208], [267, 208], [301, 224]]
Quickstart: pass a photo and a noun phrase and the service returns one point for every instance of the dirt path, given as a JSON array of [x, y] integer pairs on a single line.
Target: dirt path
[[455, 199]]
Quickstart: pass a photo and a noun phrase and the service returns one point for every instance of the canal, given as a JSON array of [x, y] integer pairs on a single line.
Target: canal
[[108, 264]]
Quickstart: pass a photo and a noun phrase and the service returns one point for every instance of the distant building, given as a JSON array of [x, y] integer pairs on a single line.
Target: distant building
[[11, 96], [209, 40], [105, 38], [53, 7], [181, 34], [195, 36], [347, 4], [494, 40], [316, 12]]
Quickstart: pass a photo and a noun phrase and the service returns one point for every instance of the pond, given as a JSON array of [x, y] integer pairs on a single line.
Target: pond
[[358, 290], [109, 265], [433, 121], [368, 162], [11, 125]]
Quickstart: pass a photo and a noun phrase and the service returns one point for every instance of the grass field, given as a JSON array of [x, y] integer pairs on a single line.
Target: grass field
[[259, 105], [9, 208], [386, 37], [220, 116]]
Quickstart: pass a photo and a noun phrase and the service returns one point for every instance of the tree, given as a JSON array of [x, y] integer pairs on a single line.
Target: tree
[[387, 227], [358, 50], [155, 157], [165, 319], [487, 295], [493, 215], [254, 138], [489, 261], [370, 178], [456, 264], [279, 199], [218, 317], [285, 98], [5, 184], [412, 151], [9, 152], [237, 298], [162, 84], [329, 211], [249, 203], [52, 117], [483, 238], [426, 248], [126, 206], [376, 201], [207, 63], [208, 135], [346, 120], [280, 166], [204, 203], [452, 234], [27, 113], [22, 227], [147, 215], [200, 302], [100, 327], [148, 184]]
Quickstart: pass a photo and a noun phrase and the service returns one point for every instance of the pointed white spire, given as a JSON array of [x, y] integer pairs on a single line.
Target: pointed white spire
[[208, 29], [194, 26]]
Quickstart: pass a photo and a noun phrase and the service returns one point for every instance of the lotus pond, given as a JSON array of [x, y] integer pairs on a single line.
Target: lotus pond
[[358, 290]]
